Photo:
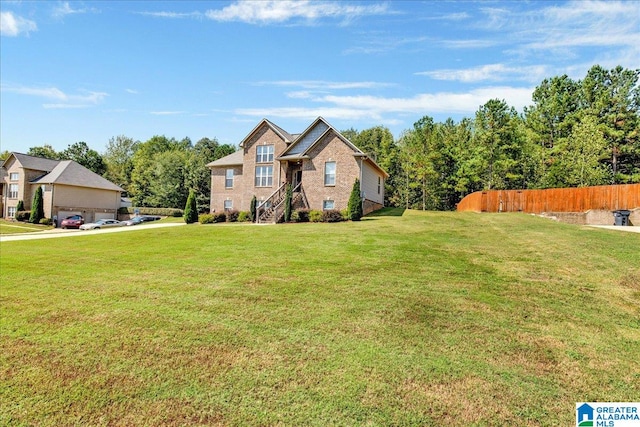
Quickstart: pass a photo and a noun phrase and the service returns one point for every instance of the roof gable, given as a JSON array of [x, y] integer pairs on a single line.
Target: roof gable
[[232, 159], [32, 162], [68, 172], [286, 136]]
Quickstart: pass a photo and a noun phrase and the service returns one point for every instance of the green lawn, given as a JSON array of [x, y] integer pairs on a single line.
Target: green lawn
[[14, 227], [426, 319]]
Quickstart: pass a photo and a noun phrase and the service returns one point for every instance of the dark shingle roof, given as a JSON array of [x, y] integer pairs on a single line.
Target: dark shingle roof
[[36, 163], [69, 172]]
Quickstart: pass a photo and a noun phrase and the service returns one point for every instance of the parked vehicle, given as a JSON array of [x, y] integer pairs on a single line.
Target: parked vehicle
[[73, 221], [134, 221], [102, 223], [146, 218]]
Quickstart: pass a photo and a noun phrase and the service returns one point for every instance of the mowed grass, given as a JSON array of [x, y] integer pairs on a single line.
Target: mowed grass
[[14, 227], [429, 319]]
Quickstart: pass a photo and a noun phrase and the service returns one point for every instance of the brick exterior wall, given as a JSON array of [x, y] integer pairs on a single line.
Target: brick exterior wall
[[330, 149]]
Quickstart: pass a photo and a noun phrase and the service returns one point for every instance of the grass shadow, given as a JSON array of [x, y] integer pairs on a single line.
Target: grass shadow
[[384, 212]]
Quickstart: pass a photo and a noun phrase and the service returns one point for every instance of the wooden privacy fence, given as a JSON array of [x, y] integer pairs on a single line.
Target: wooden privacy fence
[[604, 197]]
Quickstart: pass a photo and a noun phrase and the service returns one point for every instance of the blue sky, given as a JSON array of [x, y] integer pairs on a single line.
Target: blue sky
[[91, 70]]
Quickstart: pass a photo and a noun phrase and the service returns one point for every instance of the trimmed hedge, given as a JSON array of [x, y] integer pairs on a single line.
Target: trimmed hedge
[[232, 216], [300, 215], [332, 215], [219, 217], [22, 216], [244, 216], [315, 216], [206, 219], [174, 212]]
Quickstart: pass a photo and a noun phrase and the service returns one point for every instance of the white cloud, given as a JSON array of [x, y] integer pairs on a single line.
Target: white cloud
[[131, 91], [384, 108], [279, 11], [13, 25], [326, 85], [172, 15], [85, 99], [490, 72], [64, 9]]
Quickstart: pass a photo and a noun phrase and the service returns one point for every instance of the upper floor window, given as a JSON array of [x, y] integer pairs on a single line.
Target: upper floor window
[[264, 176], [379, 184], [13, 191], [330, 173], [13, 176], [228, 180], [264, 154]]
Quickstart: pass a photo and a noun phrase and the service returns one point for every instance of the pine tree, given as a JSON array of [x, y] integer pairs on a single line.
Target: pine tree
[[252, 209], [191, 210], [37, 207], [354, 207], [287, 203]]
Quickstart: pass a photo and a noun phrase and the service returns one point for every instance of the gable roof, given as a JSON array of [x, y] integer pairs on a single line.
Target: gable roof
[[32, 162], [286, 136], [313, 135], [232, 159], [69, 172]]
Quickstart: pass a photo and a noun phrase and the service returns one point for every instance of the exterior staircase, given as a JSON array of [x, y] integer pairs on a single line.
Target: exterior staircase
[[271, 210]]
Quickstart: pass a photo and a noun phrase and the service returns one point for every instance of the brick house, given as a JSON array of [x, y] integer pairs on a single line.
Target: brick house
[[68, 188], [320, 164]]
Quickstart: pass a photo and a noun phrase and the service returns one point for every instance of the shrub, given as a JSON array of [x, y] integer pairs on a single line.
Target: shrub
[[332, 215], [46, 221], [23, 216], [232, 216], [174, 212], [206, 219], [315, 216], [252, 209], [20, 206], [244, 216], [354, 207], [301, 215], [191, 210], [219, 217], [287, 203], [37, 207]]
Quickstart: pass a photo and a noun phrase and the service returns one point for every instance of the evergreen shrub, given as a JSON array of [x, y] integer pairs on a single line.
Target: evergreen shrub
[[219, 217], [302, 215], [22, 216], [332, 215], [232, 216], [315, 216], [244, 216], [206, 219]]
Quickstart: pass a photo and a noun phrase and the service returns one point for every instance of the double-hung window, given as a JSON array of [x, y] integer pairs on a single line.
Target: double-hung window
[[228, 205], [13, 191], [330, 173], [13, 176], [327, 205], [228, 179], [264, 154], [264, 176]]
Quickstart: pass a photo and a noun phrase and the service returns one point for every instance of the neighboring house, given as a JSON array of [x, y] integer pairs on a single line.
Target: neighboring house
[[68, 188], [320, 164]]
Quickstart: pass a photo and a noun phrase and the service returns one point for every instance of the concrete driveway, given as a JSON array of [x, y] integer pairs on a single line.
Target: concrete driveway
[[59, 232]]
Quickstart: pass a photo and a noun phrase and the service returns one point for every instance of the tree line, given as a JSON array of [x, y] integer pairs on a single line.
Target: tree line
[[576, 133]]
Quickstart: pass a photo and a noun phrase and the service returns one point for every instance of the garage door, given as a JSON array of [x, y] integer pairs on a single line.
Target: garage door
[[63, 214], [103, 215]]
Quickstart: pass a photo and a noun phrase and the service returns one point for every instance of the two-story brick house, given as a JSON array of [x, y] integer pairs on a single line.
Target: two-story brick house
[[68, 188], [320, 164]]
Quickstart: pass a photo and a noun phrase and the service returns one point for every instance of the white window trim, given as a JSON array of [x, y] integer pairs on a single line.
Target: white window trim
[[226, 178], [335, 167], [264, 180], [324, 205], [14, 194], [264, 157], [14, 176]]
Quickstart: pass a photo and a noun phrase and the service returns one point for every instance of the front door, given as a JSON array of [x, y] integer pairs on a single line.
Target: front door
[[297, 178]]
